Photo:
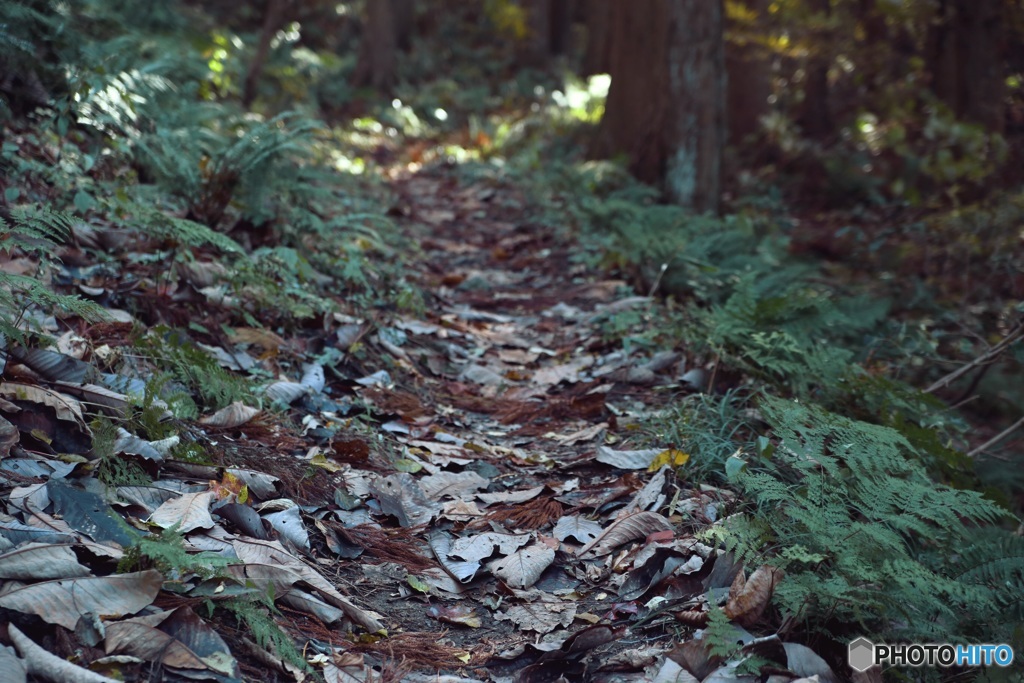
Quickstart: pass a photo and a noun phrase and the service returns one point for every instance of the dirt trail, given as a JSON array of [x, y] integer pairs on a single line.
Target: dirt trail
[[516, 424]]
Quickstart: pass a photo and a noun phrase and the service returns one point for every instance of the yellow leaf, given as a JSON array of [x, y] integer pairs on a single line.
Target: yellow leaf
[[320, 460], [669, 456]]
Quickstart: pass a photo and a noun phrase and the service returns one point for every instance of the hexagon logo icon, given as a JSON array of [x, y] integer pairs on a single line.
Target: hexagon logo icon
[[861, 654]]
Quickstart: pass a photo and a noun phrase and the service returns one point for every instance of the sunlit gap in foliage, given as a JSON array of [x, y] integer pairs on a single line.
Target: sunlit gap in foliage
[[584, 101]]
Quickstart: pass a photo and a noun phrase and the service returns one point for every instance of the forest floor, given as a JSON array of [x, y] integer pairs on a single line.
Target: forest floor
[[469, 491]]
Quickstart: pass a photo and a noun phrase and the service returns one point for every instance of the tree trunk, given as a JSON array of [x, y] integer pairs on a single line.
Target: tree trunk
[[405, 22], [597, 58], [749, 67], [666, 106], [697, 87], [815, 118], [377, 63], [965, 55], [273, 16]]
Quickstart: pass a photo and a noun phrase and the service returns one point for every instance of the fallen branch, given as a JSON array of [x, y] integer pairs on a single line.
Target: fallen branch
[[49, 666], [983, 359], [997, 438]]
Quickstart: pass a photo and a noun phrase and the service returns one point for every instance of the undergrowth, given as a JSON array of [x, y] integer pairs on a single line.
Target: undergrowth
[[855, 483]]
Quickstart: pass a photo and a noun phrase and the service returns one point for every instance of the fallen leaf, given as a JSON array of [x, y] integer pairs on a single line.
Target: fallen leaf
[[522, 568], [65, 601], [748, 598]]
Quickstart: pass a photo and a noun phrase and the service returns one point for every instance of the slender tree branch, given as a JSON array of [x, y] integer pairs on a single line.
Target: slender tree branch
[[983, 359], [997, 438]]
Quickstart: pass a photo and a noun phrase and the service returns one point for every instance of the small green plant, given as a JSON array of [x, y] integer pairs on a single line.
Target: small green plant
[[112, 469], [167, 554], [36, 232], [211, 164], [255, 615], [173, 353]]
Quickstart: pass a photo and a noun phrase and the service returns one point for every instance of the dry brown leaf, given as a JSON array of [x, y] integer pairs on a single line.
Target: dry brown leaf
[[64, 601], [749, 598], [624, 530], [234, 415]]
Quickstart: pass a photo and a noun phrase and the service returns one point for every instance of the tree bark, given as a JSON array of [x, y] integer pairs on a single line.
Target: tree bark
[[666, 106], [377, 63], [597, 58], [965, 56], [697, 87]]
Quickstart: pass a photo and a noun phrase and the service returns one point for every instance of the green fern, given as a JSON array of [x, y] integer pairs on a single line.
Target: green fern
[[172, 353], [111, 469], [255, 615], [212, 166], [167, 554], [37, 232], [863, 532]]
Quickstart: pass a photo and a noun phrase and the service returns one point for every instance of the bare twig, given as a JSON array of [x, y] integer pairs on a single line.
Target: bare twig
[[997, 438], [49, 666], [984, 358]]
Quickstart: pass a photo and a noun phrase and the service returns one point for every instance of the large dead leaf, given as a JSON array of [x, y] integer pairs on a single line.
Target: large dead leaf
[[187, 513], [35, 561], [638, 525], [627, 460], [481, 546], [441, 546], [575, 526], [748, 598], [542, 617], [452, 484], [522, 568], [400, 495], [272, 553], [64, 602], [178, 639]]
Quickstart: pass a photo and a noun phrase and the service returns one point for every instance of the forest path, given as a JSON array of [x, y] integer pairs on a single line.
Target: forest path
[[513, 428]]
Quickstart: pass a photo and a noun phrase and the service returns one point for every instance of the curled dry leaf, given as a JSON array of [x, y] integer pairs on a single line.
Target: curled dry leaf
[[624, 530], [286, 392], [65, 407], [234, 415], [749, 598]]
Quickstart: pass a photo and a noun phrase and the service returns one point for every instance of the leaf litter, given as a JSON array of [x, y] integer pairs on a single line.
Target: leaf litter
[[461, 498]]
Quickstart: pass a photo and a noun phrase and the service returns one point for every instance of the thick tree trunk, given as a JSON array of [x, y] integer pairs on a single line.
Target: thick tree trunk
[[550, 23], [273, 17], [377, 63], [405, 23], [965, 56], [597, 58], [666, 106], [697, 84], [636, 112], [749, 69]]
